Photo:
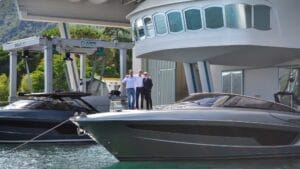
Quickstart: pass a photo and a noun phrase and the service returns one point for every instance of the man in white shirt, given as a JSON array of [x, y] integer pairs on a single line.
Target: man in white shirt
[[129, 81], [139, 89]]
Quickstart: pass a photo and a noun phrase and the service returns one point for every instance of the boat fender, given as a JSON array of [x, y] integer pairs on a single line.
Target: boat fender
[[76, 114], [80, 132], [83, 114]]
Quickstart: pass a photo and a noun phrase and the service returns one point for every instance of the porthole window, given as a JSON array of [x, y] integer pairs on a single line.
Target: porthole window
[[238, 16], [214, 17], [175, 21], [160, 24], [140, 29], [149, 29], [262, 17], [193, 19]]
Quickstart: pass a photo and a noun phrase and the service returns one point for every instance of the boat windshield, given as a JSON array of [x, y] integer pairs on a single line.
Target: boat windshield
[[238, 101], [47, 105], [20, 104]]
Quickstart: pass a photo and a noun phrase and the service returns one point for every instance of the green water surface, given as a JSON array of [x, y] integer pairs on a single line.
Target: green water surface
[[91, 156]]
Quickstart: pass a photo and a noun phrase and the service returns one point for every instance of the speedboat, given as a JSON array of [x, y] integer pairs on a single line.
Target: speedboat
[[201, 126], [38, 113]]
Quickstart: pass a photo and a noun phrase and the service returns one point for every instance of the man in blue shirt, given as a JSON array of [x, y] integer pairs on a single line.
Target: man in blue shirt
[[129, 81]]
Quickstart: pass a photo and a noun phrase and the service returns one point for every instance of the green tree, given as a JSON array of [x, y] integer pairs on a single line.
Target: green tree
[[37, 76], [3, 87], [4, 62], [59, 76], [51, 32]]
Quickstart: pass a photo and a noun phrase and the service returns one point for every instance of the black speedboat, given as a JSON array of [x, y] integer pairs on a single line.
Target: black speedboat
[[29, 117], [202, 126]]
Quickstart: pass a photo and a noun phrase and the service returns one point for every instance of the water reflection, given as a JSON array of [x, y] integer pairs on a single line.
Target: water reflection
[[56, 156], [92, 156]]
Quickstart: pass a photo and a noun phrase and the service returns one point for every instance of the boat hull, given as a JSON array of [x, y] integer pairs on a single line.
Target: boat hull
[[38, 130], [196, 138], [10, 136]]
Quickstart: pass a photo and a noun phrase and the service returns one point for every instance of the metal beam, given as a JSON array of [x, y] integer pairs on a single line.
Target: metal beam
[[123, 66], [82, 73], [48, 73], [189, 78], [205, 76], [63, 44], [22, 43], [86, 43], [12, 76], [71, 64]]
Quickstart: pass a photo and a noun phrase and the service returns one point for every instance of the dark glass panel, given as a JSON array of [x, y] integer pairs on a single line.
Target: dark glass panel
[[214, 17], [262, 17], [193, 19], [175, 21]]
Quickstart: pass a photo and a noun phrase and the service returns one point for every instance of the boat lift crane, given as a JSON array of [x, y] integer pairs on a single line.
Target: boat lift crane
[[47, 45]]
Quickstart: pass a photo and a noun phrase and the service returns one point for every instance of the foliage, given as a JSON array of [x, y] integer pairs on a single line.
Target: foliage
[[111, 71], [4, 62], [37, 76], [59, 77], [51, 32], [3, 87]]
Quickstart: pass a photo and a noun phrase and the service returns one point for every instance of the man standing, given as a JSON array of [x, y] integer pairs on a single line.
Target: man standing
[[129, 82], [147, 90], [139, 90]]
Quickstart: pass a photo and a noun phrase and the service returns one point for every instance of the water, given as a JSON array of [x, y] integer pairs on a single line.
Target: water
[[90, 156]]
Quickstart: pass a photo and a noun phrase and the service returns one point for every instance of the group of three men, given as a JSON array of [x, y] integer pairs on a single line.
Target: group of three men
[[137, 86]]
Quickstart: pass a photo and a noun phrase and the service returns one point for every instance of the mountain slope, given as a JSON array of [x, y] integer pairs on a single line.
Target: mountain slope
[[11, 28]]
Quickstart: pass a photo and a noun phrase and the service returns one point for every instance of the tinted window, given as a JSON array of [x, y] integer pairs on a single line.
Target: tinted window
[[193, 19], [175, 21], [238, 16], [237, 82], [232, 82], [22, 104], [226, 82], [140, 29], [149, 27], [160, 24], [262, 17], [208, 101], [214, 17]]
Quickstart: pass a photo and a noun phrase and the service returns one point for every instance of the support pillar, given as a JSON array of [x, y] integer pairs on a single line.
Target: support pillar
[[205, 76], [12, 76], [123, 66], [48, 73], [82, 73], [72, 71], [190, 80]]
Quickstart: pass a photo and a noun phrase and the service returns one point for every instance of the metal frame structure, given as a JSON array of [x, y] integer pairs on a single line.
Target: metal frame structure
[[47, 45]]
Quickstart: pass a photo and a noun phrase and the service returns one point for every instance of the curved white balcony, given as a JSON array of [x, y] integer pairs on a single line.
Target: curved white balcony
[[235, 32]]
